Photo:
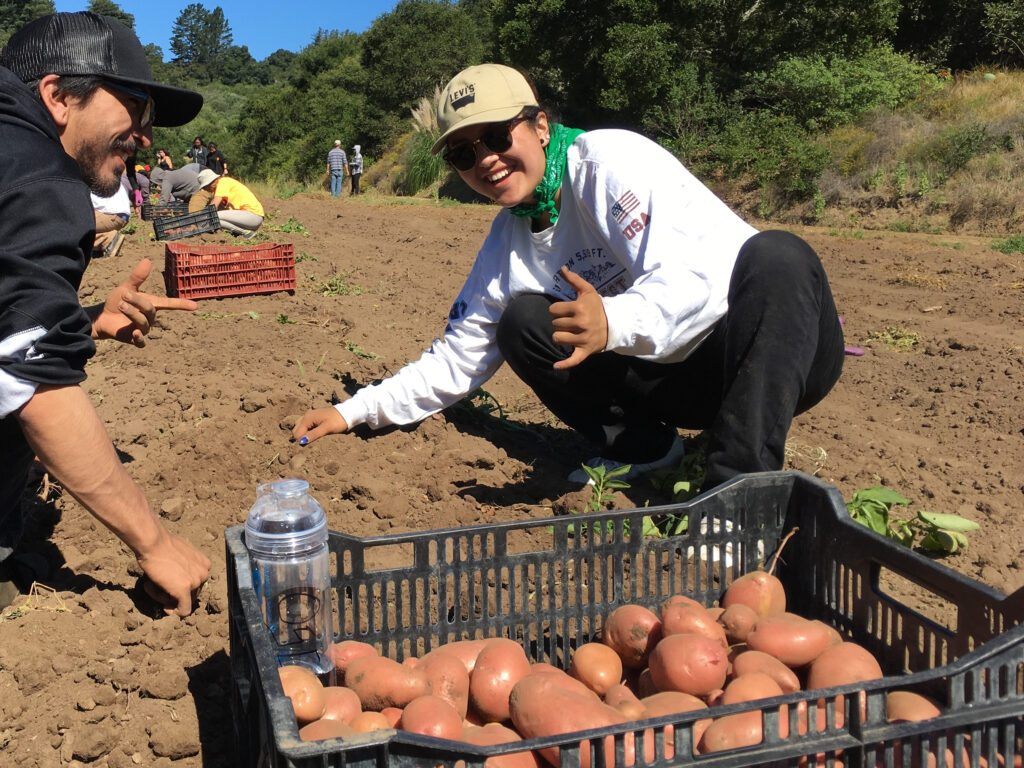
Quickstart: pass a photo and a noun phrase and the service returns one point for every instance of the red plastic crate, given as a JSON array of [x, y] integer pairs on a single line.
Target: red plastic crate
[[216, 271]]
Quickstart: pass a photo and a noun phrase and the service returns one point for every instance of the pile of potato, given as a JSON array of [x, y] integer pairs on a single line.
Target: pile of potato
[[686, 658]]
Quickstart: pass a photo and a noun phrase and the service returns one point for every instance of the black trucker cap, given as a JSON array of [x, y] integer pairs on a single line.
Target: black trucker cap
[[86, 43]]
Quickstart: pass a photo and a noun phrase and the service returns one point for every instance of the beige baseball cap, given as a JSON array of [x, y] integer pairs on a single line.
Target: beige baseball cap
[[485, 93]]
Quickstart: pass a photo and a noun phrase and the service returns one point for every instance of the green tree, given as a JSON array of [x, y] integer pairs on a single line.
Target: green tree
[[14, 14], [1004, 25], [236, 65], [278, 64], [420, 44], [112, 9], [947, 33], [199, 40]]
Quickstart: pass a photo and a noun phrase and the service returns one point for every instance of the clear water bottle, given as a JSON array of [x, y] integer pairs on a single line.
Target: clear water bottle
[[286, 535]]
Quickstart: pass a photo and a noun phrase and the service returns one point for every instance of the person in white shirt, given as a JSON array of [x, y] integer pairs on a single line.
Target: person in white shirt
[[627, 295], [111, 214]]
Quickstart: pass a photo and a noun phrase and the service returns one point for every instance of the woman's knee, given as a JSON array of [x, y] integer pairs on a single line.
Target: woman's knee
[[525, 316], [775, 257]]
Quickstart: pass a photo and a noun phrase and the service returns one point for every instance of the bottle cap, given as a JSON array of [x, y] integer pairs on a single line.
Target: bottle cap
[[285, 520]]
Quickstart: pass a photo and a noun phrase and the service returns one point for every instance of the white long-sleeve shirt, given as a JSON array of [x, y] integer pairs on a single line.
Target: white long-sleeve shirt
[[656, 243]]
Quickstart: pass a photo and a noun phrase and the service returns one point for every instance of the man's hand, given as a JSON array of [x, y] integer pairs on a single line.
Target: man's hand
[[176, 570], [581, 323], [317, 423], [128, 314]]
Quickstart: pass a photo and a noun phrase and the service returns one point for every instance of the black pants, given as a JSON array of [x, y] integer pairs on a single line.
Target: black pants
[[355, 183], [777, 352]]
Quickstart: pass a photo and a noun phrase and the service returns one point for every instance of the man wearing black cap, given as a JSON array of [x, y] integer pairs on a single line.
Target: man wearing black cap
[[76, 99]]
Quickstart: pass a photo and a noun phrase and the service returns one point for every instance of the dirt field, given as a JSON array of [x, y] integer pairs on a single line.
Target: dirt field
[[203, 414]]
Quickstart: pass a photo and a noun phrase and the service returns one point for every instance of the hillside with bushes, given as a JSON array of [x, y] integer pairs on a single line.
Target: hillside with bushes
[[898, 114]]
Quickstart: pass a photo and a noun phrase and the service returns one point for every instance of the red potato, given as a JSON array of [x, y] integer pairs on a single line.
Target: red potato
[[499, 666], [670, 703], [341, 704], [908, 707], [381, 682], [431, 716], [731, 732], [596, 666], [842, 664], [792, 639], [494, 733], [632, 631], [392, 716], [631, 710], [540, 708], [365, 722], [750, 687], [325, 729], [564, 680], [758, 590], [305, 691], [715, 612], [467, 650], [758, 661], [342, 654], [689, 663], [737, 620], [689, 620], [447, 678], [645, 685], [618, 694], [679, 600]]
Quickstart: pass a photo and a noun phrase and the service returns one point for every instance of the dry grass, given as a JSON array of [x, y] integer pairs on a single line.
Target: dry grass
[[917, 279], [956, 155]]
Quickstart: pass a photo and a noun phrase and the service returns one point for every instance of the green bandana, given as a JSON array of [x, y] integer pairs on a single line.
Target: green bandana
[[555, 151]]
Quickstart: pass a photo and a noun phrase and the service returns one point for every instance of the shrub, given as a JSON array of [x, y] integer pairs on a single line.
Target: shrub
[[954, 147], [774, 151], [422, 169], [823, 93]]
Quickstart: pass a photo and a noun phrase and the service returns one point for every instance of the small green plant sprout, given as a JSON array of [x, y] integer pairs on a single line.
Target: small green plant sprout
[[293, 225], [1012, 244], [933, 531], [895, 337], [604, 482], [254, 315], [337, 285], [285, 320], [302, 256], [355, 349]]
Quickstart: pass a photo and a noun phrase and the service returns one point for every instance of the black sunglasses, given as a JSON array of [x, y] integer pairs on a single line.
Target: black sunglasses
[[148, 111], [496, 138]]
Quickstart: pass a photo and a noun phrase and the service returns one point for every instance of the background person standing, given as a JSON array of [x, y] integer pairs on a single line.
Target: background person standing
[[355, 167], [216, 161], [337, 167], [198, 152]]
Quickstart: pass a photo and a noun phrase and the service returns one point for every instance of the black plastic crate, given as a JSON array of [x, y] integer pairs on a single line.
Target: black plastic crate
[[188, 225], [166, 210], [549, 582]]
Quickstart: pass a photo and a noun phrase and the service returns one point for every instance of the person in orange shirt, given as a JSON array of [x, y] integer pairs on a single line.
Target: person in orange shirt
[[239, 211]]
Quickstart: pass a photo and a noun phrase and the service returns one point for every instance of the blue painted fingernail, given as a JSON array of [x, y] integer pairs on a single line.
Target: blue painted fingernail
[[303, 440]]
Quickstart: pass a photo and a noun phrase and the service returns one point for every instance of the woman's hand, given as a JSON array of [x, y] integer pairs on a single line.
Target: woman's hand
[[317, 423], [581, 323]]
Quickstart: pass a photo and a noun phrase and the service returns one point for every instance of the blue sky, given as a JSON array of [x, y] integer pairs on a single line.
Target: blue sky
[[262, 25]]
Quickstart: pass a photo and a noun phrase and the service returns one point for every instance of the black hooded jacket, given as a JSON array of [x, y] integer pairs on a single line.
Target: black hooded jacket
[[47, 227]]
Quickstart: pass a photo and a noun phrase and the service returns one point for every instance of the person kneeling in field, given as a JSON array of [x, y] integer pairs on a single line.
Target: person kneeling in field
[[621, 290], [79, 99], [239, 211]]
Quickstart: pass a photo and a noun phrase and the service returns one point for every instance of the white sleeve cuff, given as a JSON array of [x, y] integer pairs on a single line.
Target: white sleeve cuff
[[15, 392]]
